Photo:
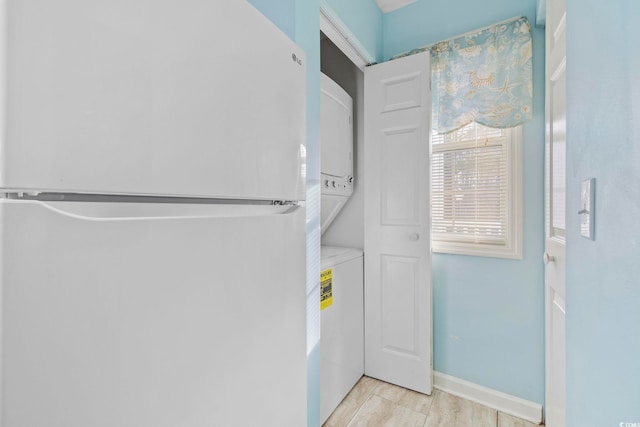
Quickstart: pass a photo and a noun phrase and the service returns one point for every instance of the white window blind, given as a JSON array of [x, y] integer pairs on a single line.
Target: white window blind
[[475, 192]]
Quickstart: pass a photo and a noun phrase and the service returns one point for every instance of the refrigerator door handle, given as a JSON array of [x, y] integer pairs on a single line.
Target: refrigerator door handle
[[113, 212]]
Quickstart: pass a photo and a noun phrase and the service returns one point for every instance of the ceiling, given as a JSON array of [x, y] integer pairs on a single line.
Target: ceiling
[[389, 5]]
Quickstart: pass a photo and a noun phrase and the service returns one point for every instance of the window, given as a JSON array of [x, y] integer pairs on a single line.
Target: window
[[475, 192]]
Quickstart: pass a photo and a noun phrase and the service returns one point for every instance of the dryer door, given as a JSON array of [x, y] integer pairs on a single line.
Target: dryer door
[[336, 129]]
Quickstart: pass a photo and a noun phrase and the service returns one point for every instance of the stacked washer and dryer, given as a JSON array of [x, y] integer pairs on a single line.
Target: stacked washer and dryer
[[342, 287]]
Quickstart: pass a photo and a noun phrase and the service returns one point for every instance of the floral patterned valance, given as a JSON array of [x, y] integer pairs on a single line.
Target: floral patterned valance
[[484, 77]]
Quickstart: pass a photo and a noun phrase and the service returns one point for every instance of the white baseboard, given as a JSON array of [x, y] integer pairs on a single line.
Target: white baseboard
[[502, 402]]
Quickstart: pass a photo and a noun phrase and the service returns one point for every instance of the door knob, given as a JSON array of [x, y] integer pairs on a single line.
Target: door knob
[[414, 237], [548, 258]]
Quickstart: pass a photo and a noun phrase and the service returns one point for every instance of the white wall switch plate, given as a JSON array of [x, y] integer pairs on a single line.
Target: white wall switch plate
[[587, 208]]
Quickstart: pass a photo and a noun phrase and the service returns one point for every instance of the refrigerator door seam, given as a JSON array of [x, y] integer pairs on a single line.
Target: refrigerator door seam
[[128, 198], [105, 212]]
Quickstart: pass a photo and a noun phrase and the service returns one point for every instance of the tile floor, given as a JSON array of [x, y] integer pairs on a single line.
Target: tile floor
[[373, 403]]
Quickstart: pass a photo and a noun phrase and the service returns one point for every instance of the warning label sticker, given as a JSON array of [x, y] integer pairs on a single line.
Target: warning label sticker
[[326, 288]]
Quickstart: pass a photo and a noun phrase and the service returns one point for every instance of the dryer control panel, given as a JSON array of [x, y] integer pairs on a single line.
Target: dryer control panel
[[337, 185]]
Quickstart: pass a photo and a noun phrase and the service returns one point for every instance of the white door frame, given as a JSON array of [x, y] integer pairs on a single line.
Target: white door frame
[[555, 217], [341, 36]]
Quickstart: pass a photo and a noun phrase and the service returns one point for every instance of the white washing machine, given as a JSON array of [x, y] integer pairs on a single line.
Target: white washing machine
[[342, 325]]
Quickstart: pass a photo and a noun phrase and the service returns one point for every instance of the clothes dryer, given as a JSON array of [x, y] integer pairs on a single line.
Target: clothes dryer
[[336, 138]]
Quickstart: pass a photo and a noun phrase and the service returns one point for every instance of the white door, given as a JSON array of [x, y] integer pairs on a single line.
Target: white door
[[397, 222], [555, 192], [152, 315]]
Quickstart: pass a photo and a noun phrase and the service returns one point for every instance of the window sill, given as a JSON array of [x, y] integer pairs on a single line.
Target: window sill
[[476, 249]]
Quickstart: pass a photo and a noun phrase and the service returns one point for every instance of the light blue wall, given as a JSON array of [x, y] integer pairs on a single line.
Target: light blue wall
[[364, 19], [280, 12], [488, 313], [603, 276], [299, 19]]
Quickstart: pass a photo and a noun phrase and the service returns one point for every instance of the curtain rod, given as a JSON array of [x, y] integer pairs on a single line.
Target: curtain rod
[[468, 33]]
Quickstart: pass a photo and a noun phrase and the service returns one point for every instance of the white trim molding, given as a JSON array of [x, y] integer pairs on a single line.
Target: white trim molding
[[506, 403], [387, 6], [541, 13], [336, 30]]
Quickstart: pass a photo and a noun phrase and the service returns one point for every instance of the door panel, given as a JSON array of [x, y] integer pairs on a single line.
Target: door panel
[[556, 402], [159, 319], [555, 196], [557, 147], [397, 223], [400, 284], [400, 192], [402, 92]]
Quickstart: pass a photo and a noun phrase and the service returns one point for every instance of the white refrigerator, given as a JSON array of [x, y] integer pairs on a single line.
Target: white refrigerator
[[152, 220]]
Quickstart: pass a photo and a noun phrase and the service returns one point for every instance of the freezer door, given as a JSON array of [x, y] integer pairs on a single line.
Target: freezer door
[[150, 316], [182, 98]]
